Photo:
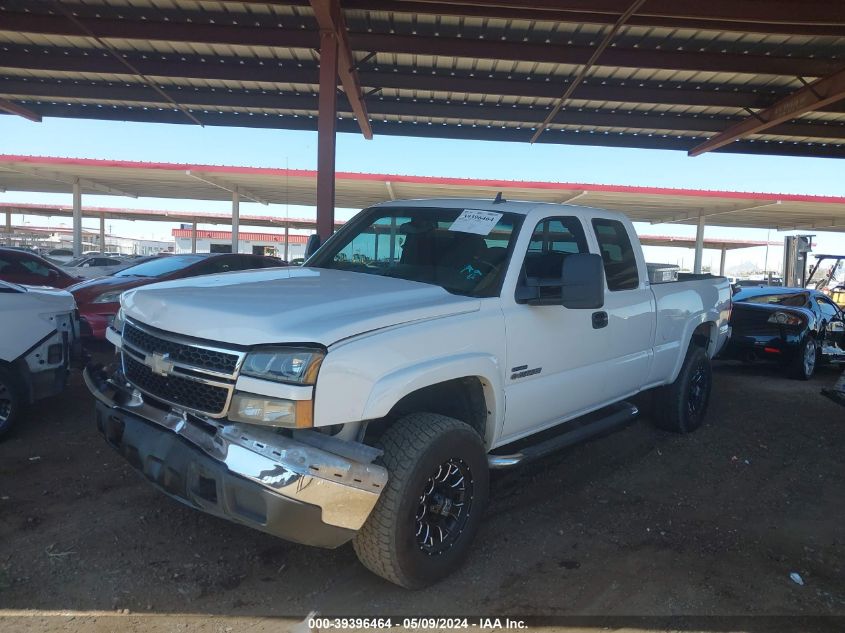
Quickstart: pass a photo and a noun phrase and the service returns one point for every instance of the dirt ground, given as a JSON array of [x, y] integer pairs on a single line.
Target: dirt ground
[[638, 523]]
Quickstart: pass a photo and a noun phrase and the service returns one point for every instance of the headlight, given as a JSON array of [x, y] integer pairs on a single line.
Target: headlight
[[284, 364], [118, 321], [255, 409], [784, 318], [108, 297]]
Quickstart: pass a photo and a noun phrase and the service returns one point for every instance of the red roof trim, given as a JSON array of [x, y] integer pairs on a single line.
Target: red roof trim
[[429, 180]]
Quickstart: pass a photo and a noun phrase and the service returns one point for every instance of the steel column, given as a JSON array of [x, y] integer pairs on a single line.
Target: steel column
[[722, 262], [8, 228], [77, 219], [326, 134], [194, 236], [699, 244], [102, 233], [236, 219], [287, 241]]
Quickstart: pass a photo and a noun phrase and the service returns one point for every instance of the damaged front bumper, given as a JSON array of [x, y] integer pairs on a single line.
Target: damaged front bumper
[[312, 489]]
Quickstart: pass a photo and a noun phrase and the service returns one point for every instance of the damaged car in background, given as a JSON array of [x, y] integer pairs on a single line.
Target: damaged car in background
[[796, 327], [39, 336]]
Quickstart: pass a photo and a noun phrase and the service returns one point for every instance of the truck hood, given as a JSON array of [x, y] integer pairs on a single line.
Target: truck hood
[[288, 305]]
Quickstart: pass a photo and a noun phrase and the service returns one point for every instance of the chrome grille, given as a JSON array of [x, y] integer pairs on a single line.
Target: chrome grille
[[176, 390], [198, 377], [147, 341]]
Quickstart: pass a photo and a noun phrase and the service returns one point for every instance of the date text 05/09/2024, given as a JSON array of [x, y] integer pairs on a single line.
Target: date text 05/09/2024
[[423, 623]]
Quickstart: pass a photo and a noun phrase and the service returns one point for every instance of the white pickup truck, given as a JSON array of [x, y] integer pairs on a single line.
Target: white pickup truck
[[39, 334], [365, 396]]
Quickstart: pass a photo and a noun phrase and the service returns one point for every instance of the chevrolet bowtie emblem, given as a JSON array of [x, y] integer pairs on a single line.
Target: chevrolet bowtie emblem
[[159, 363]]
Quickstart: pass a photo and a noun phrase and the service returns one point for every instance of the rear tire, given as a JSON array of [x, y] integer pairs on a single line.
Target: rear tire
[[423, 525], [682, 406], [11, 401], [803, 366]]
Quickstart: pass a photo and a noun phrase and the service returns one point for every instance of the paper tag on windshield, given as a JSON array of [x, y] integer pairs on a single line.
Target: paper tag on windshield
[[478, 222]]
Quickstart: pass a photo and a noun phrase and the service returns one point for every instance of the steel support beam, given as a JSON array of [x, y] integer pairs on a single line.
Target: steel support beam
[[287, 243], [234, 68], [8, 227], [811, 97], [699, 245], [102, 233], [194, 236], [15, 108], [574, 197], [77, 219], [512, 84], [820, 20], [236, 220], [586, 68], [327, 134], [331, 21], [722, 262], [390, 193], [225, 186]]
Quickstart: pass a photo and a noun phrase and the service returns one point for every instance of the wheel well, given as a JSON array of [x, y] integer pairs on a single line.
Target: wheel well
[[461, 398], [701, 336]]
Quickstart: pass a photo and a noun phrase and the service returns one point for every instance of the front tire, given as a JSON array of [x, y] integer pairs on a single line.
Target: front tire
[[423, 525], [11, 401], [681, 406]]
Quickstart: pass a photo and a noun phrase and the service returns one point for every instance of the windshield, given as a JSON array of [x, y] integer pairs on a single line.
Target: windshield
[[160, 266], [461, 250]]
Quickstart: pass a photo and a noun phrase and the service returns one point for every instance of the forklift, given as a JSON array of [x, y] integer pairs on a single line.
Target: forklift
[[827, 281]]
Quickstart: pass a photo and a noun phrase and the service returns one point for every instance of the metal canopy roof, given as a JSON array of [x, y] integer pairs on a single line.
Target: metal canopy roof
[[356, 190], [730, 75]]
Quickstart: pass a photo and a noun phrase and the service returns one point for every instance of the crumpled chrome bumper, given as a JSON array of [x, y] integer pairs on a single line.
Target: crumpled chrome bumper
[[293, 488]]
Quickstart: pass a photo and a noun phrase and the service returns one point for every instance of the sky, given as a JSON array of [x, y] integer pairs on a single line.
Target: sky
[[423, 157]]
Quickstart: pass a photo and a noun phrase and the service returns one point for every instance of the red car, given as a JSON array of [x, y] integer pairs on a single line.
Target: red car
[[22, 267], [98, 299]]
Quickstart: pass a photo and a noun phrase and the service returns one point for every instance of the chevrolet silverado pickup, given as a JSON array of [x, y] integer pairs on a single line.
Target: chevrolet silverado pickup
[[39, 334], [365, 396]]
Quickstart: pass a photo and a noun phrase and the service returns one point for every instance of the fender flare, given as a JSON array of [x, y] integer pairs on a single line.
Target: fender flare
[[711, 319], [392, 387]]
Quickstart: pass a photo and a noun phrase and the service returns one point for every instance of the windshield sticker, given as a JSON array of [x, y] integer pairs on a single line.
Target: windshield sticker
[[478, 222]]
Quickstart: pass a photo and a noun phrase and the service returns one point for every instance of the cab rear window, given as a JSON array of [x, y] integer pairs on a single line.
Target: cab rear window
[[620, 262]]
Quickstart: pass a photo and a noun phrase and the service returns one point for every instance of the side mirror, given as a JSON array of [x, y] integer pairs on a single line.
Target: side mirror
[[581, 284], [52, 274], [312, 245]]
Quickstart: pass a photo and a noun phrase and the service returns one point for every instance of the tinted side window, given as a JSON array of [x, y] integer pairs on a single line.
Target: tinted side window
[[553, 239], [35, 267], [620, 263]]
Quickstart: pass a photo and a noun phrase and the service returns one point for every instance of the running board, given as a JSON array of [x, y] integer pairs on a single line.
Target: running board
[[592, 424]]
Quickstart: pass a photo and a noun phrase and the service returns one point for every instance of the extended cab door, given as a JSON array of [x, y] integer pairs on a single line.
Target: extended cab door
[[562, 363], [630, 307], [551, 371]]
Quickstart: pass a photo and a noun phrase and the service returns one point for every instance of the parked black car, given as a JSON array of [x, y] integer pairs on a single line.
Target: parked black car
[[797, 327]]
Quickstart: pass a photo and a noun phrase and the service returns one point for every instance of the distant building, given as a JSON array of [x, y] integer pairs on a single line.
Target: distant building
[[256, 243], [45, 238]]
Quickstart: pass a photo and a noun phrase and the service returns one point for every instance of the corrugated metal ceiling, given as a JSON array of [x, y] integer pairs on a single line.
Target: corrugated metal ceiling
[[443, 72]]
